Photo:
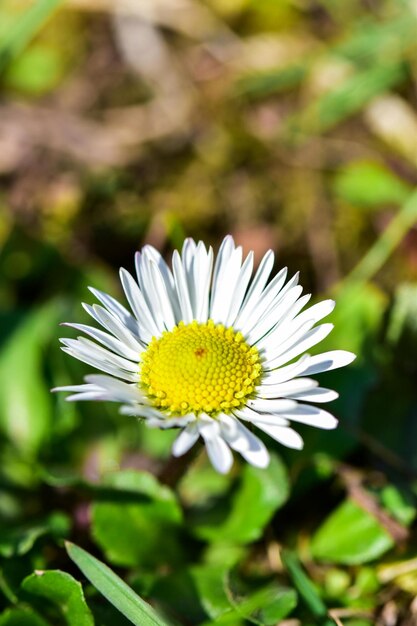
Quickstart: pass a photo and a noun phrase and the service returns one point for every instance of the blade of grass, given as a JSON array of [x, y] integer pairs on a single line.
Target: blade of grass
[[114, 588], [379, 253], [303, 584], [25, 29]]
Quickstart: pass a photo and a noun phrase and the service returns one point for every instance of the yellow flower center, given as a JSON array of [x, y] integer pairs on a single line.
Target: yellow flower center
[[198, 368]]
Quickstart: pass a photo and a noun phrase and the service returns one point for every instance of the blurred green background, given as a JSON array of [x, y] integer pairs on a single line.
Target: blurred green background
[[292, 125]]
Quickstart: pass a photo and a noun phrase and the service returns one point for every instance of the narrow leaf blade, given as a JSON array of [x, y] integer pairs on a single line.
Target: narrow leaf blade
[[114, 588]]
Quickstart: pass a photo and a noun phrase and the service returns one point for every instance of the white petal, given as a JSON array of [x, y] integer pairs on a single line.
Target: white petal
[[282, 374], [260, 279], [223, 290], [313, 336], [313, 416], [185, 440], [249, 415], [254, 308], [161, 294], [318, 311], [217, 449], [202, 279], [319, 394], [149, 289], [101, 364], [138, 304], [272, 317], [119, 390], [117, 310], [287, 389], [327, 361], [271, 406], [167, 276], [111, 323], [182, 289], [85, 346], [282, 434], [129, 351], [242, 282], [242, 440]]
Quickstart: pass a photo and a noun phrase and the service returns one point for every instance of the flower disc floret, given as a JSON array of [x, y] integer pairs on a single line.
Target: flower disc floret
[[197, 368]]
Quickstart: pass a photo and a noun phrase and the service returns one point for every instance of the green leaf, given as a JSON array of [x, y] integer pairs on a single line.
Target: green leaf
[[268, 605], [18, 541], [344, 101], [370, 185], [25, 28], [211, 583], [62, 590], [25, 400], [350, 536], [260, 493], [114, 589], [133, 530], [398, 504], [21, 617], [305, 587]]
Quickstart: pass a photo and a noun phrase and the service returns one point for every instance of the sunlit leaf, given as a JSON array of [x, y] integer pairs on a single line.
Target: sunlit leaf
[[259, 494], [63, 591], [133, 530], [350, 536], [25, 400]]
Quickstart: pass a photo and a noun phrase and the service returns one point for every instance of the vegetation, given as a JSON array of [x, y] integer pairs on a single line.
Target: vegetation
[[291, 125]]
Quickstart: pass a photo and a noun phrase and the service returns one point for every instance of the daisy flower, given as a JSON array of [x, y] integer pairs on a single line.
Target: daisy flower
[[209, 350]]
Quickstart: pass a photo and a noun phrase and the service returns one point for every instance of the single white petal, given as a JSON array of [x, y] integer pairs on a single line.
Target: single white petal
[[249, 415], [98, 396], [243, 441], [185, 440], [318, 311], [182, 289], [271, 406], [202, 281], [287, 389], [319, 394], [313, 416], [327, 361], [282, 434], [82, 388]]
